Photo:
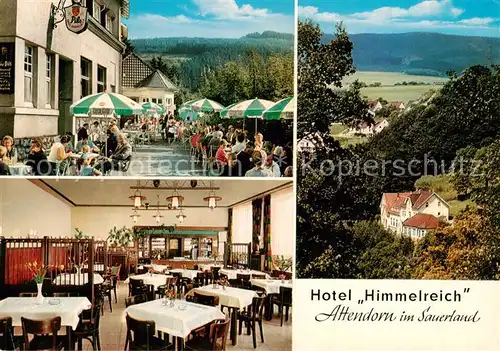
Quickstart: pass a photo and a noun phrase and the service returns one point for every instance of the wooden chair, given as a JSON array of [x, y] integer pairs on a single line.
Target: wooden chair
[[216, 340], [45, 334], [8, 341], [137, 287], [215, 272], [141, 335], [88, 328], [206, 299], [28, 294], [252, 316], [134, 300], [106, 289], [283, 300]]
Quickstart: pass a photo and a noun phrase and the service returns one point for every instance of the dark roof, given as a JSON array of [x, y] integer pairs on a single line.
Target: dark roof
[[422, 221], [137, 73], [157, 80]]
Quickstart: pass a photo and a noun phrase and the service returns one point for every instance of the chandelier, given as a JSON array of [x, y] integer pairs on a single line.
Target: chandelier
[[181, 216], [158, 217], [138, 199], [135, 216], [175, 200], [212, 199]]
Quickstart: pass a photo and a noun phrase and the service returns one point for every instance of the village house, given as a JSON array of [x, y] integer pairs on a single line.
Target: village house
[[367, 129], [53, 66], [142, 83], [375, 106], [398, 105], [413, 213]]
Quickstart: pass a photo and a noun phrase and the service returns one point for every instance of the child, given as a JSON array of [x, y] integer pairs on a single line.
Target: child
[[88, 168]]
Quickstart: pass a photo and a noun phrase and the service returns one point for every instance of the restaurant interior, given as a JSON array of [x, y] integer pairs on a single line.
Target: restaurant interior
[[146, 264]]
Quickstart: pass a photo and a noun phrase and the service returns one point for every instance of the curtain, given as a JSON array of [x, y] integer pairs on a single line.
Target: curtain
[[267, 231], [257, 224], [241, 225], [282, 223]]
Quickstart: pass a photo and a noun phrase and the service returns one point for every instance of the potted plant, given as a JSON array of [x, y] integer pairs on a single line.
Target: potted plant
[[282, 263], [39, 270], [120, 237], [80, 235]]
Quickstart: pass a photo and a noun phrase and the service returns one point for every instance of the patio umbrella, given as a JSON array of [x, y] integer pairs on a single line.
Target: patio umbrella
[[106, 104], [151, 107], [223, 113], [283, 109], [249, 109], [205, 105]]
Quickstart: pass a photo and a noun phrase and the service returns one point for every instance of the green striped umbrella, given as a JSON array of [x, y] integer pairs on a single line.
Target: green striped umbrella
[[205, 105], [106, 104], [151, 107], [223, 113], [186, 105], [283, 109], [249, 108]]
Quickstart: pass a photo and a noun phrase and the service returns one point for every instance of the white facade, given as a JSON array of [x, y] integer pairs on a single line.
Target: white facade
[[143, 95], [54, 68]]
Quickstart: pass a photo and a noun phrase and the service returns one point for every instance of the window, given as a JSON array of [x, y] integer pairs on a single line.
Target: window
[[113, 90], [97, 11], [439, 214], [48, 80], [426, 204], [28, 74], [153, 100], [101, 79], [439, 204], [160, 101], [86, 69], [109, 23]]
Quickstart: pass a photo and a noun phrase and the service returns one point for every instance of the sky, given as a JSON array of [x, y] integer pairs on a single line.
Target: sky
[[462, 17], [208, 18]]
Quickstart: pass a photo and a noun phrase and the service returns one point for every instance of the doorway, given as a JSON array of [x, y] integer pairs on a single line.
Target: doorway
[[65, 94]]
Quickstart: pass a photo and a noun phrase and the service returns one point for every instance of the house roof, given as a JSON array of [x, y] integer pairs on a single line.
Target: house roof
[[396, 201], [422, 221], [137, 73], [397, 103], [157, 80]]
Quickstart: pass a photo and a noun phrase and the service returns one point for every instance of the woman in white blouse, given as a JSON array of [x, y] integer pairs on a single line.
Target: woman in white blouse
[[58, 153]]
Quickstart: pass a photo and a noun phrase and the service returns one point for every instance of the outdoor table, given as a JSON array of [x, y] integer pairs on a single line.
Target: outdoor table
[[155, 280], [232, 273], [76, 279], [186, 273], [19, 169], [174, 321], [233, 298], [69, 309]]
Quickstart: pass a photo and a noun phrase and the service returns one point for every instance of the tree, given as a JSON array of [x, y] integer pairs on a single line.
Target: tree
[[468, 250], [129, 47]]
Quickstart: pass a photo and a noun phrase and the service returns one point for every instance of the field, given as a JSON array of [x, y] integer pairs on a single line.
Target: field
[[391, 92]]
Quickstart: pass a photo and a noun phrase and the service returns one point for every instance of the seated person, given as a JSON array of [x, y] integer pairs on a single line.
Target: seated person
[[258, 170], [288, 172], [240, 144], [122, 153], [70, 147], [11, 152], [111, 143], [58, 153], [86, 142], [4, 168], [83, 132], [88, 168], [272, 166], [243, 161], [37, 159], [221, 155]]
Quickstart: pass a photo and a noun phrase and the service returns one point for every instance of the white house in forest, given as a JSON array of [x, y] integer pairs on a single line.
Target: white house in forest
[[367, 129], [413, 213]]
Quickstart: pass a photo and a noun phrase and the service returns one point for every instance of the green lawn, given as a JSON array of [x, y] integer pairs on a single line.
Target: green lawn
[[337, 128], [398, 93], [391, 78]]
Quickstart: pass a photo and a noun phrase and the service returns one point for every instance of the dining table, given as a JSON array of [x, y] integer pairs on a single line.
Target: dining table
[[152, 279], [68, 308], [19, 169], [233, 298], [186, 273], [270, 286], [178, 319]]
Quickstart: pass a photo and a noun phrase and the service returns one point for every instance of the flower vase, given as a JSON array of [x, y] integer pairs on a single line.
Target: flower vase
[[39, 297]]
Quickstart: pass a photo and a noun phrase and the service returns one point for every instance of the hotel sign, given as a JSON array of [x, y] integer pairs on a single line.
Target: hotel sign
[[7, 68], [76, 18]]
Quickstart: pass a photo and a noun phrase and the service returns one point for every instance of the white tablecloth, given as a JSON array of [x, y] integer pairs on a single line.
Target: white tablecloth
[[19, 169], [69, 309], [156, 279], [156, 267], [76, 279], [231, 297], [271, 286], [172, 320], [186, 273], [207, 267], [232, 273]]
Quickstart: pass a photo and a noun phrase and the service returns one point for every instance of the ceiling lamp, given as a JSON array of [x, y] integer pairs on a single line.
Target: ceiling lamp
[[212, 200], [181, 216], [135, 216], [175, 200], [158, 217], [138, 199]]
